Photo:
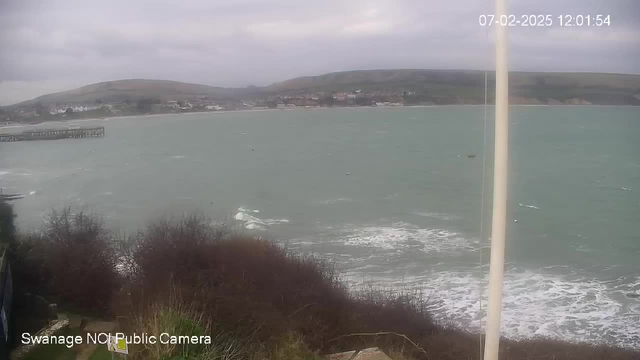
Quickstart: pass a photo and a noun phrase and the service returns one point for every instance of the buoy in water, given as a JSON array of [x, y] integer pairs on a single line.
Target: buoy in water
[[348, 174], [515, 220]]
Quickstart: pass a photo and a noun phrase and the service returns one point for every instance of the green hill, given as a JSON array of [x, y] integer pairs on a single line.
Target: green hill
[[429, 86], [468, 85], [133, 90]]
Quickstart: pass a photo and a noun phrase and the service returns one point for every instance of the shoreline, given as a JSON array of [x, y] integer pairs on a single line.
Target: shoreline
[[123, 204], [108, 118], [442, 314]]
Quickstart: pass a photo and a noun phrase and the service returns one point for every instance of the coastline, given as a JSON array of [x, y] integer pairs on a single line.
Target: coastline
[[251, 120], [108, 118]]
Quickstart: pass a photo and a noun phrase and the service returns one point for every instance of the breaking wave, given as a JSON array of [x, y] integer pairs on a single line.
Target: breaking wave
[[252, 222], [401, 235]]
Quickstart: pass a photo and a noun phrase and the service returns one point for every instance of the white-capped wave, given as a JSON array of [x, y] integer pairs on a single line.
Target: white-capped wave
[[245, 210], [439, 216], [534, 304], [178, 157], [625, 188], [528, 206], [252, 222], [15, 174], [402, 235]]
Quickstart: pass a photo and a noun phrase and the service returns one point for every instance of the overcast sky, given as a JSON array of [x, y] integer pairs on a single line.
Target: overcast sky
[[54, 45]]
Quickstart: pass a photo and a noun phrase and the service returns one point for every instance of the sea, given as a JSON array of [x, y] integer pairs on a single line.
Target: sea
[[397, 198]]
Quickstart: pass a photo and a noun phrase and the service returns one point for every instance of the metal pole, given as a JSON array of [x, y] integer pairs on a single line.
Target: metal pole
[[499, 221]]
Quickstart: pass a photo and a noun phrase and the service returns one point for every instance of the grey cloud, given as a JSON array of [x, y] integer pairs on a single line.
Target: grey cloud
[[242, 42]]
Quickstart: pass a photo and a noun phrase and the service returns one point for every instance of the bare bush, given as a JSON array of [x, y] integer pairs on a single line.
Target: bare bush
[[70, 261], [251, 286]]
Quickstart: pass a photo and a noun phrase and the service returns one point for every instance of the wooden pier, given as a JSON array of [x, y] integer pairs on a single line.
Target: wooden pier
[[9, 197], [53, 134]]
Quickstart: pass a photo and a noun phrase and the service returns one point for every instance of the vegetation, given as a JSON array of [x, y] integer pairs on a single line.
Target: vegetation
[[133, 90], [176, 317], [144, 105], [7, 225], [467, 86], [39, 108], [433, 86], [101, 353], [54, 351], [253, 297], [69, 261]]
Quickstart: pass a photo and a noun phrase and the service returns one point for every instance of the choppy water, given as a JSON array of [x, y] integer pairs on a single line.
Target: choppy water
[[390, 194]]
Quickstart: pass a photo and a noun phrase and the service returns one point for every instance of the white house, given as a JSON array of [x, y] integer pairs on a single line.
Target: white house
[[57, 110], [81, 108]]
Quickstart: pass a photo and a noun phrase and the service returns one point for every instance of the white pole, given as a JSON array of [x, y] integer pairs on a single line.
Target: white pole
[[499, 221]]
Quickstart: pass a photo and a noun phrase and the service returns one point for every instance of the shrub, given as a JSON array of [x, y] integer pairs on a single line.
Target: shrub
[[284, 305], [253, 287], [255, 298], [7, 225], [71, 261]]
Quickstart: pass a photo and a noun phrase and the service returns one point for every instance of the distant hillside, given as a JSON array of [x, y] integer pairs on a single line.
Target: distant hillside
[[429, 86], [451, 77], [133, 90], [468, 85]]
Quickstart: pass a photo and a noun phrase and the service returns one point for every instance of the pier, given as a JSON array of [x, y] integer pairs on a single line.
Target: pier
[[53, 134], [9, 197]]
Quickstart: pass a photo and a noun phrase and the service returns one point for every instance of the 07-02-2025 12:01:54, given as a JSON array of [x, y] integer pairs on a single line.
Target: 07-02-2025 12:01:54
[[547, 20]]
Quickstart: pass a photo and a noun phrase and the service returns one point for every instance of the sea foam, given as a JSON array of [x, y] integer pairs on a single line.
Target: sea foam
[[535, 303], [401, 235], [252, 222], [528, 206]]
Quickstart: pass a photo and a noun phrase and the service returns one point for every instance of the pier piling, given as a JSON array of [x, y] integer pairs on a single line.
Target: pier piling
[[53, 134]]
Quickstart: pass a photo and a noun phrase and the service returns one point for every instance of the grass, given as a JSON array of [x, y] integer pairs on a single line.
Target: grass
[[101, 353], [290, 346], [177, 318], [50, 352], [54, 351]]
